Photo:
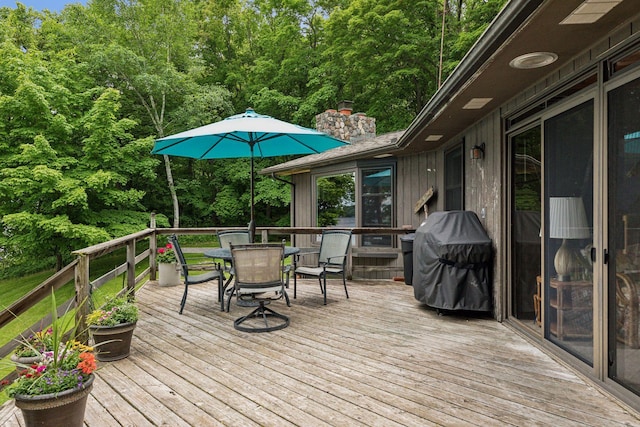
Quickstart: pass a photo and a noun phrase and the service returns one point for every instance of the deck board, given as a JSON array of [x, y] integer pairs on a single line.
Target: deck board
[[378, 358]]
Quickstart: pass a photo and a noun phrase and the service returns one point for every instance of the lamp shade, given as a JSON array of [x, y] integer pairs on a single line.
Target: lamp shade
[[567, 218]]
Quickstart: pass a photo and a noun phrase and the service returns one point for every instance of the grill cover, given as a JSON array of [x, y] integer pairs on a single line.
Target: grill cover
[[452, 258]]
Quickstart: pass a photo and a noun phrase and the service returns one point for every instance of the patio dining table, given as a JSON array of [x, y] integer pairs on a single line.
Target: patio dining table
[[225, 253]]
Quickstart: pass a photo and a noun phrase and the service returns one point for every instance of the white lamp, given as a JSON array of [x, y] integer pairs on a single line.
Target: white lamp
[[567, 220]]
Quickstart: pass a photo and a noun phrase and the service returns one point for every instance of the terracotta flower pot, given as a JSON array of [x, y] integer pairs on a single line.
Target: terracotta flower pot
[[112, 342], [168, 274], [65, 408]]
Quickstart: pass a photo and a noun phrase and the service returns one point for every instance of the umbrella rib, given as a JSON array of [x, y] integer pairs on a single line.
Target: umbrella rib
[[267, 136], [171, 145], [220, 138], [302, 143]]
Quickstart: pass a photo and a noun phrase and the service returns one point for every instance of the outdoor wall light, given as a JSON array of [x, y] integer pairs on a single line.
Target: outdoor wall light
[[477, 152]]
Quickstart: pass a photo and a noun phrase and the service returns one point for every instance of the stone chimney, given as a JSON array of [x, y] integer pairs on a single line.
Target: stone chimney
[[343, 125]]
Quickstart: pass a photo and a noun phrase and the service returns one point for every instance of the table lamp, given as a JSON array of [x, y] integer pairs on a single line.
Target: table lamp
[[567, 220]]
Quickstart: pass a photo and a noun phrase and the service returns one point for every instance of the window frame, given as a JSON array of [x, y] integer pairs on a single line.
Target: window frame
[[360, 194]]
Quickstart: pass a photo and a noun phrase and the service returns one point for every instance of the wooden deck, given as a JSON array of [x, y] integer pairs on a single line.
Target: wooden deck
[[376, 359]]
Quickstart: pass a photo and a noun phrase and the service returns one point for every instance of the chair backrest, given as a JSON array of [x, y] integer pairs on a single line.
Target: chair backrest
[[176, 248], [258, 267], [334, 247], [233, 237]]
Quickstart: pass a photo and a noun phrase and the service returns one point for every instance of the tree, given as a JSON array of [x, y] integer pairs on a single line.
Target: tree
[[143, 48], [65, 183]]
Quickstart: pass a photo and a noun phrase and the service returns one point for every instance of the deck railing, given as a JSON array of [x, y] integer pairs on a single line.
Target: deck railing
[[79, 270]]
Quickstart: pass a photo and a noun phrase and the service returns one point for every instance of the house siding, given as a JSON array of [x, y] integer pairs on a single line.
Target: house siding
[[485, 179]]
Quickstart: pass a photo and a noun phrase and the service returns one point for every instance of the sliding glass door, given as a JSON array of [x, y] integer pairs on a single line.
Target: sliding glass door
[[526, 209], [568, 165], [623, 135]]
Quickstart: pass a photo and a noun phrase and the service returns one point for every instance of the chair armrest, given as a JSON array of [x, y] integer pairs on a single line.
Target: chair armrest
[[336, 256], [211, 266], [304, 252]]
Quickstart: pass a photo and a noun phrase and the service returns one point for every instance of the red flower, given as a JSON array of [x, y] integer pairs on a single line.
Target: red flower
[[161, 250], [88, 363], [169, 246]]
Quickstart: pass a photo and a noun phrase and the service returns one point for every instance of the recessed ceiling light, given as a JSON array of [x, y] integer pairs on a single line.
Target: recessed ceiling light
[[476, 103], [533, 60], [433, 138]]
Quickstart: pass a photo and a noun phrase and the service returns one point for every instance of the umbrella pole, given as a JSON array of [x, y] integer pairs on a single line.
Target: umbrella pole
[[252, 224]]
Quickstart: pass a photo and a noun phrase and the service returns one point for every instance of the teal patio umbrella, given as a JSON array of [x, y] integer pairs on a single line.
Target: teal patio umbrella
[[246, 135]]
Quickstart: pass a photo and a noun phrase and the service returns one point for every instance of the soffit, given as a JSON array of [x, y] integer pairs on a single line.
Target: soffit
[[494, 78]]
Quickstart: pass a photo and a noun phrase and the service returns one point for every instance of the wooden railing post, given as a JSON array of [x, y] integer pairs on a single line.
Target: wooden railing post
[[153, 249], [131, 269], [82, 297]]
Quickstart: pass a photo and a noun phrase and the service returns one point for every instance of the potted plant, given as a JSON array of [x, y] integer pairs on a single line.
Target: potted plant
[[30, 349], [169, 274], [54, 389], [111, 328]]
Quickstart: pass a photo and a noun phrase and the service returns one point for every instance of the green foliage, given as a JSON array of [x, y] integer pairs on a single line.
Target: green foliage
[[84, 93], [115, 312], [167, 255], [35, 345]]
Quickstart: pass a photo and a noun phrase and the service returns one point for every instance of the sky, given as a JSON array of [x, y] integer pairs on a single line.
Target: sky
[[52, 5]]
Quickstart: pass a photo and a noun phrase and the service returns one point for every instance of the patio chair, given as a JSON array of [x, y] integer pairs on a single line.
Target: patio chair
[[194, 279], [233, 237], [259, 272], [332, 259]]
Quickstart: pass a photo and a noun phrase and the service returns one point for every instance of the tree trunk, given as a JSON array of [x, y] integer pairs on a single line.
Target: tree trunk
[[172, 191]]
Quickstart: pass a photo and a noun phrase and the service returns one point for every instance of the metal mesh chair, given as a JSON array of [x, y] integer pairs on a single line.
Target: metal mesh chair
[[259, 270], [233, 237], [332, 259], [194, 279]]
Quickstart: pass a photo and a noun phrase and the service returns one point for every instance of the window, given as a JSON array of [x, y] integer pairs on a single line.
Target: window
[[377, 203], [336, 200], [454, 179]]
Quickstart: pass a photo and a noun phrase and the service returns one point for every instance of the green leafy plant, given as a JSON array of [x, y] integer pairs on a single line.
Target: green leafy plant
[[35, 344], [167, 254], [114, 312], [66, 366]]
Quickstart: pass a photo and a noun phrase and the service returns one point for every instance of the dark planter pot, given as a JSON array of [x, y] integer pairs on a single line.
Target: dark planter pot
[[56, 409], [21, 361], [112, 342]]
